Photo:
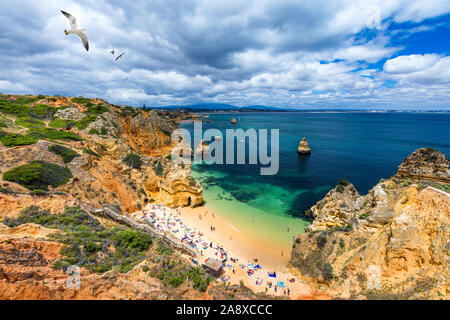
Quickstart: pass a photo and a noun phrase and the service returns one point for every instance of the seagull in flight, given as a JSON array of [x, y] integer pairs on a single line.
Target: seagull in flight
[[120, 56], [75, 30]]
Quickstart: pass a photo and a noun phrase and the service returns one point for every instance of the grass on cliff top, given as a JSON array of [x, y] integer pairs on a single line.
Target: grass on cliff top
[[38, 175], [5, 123], [30, 123], [34, 135], [19, 107], [84, 123], [66, 154], [13, 140], [61, 124]]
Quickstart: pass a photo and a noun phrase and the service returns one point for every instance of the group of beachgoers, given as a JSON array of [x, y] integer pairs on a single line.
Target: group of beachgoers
[[169, 222]]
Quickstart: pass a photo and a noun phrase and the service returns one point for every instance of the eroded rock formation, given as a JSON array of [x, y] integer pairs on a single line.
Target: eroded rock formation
[[303, 147], [391, 243]]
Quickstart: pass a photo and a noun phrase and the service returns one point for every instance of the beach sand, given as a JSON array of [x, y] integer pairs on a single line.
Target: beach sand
[[233, 239], [246, 249]]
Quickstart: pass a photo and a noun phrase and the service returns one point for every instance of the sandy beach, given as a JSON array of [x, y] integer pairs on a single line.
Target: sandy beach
[[245, 260], [230, 237]]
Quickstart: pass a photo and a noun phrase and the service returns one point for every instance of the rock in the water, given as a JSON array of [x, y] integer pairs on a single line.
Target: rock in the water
[[427, 164], [304, 148]]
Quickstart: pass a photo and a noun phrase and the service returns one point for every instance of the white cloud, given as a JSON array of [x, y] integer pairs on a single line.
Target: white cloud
[[242, 52], [428, 69], [411, 63]]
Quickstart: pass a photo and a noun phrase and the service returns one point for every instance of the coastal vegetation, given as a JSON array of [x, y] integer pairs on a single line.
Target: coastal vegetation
[[100, 249], [13, 140], [38, 175], [66, 154], [30, 123], [92, 153], [133, 160]]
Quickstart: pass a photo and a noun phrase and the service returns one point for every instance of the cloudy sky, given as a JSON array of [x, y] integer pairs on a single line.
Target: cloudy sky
[[304, 54]]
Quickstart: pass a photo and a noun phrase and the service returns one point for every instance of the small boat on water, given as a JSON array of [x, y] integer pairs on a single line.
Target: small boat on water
[[233, 121]]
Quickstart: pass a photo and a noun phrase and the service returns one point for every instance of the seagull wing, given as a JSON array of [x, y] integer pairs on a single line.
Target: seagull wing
[[120, 56], [72, 20], [84, 39], [112, 52]]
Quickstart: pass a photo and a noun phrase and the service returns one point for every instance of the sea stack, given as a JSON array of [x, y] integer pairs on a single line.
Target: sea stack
[[303, 147], [233, 121]]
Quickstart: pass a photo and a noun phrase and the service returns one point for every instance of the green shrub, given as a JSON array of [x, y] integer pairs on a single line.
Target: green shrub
[[131, 239], [13, 140], [53, 134], [19, 107], [158, 168], [192, 181], [6, 191], [66, 154], [31, 123], [38, 175], [177, 280], [364, 215], [327, 271], [199, 278], [133, 160], [92, 153], [39, 193], [5, 123], [344, 182], [84, 123], [61, 124], [43, 111], [81, 100], [96, 109], [94, 131]]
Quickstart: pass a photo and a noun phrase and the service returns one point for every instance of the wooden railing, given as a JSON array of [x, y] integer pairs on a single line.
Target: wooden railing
[[111, 213]]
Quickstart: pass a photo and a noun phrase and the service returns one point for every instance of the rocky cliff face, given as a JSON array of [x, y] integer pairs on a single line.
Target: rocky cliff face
[[426, 164], [107, 135], [393, 242]]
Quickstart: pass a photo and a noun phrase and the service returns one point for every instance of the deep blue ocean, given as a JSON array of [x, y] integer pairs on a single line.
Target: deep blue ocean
[[360, 147]]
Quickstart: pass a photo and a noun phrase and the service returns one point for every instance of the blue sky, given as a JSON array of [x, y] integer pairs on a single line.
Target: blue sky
[[311, 54]]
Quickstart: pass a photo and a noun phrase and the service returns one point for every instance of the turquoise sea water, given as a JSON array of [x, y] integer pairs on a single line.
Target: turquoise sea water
[[360, 147]]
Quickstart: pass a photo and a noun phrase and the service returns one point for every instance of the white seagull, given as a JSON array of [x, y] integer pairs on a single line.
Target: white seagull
[[75, 30]]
